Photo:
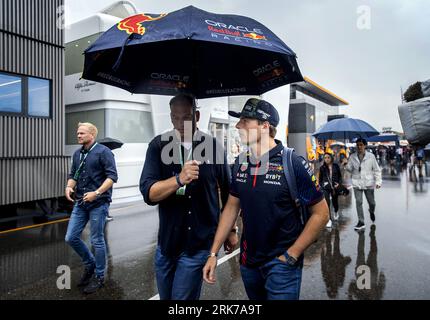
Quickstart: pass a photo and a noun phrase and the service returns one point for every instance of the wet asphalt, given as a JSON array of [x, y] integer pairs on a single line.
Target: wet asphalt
[[396, 251]]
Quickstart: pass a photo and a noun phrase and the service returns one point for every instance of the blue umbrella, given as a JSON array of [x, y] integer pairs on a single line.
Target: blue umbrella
[[384, 138], [345, 128], [194, 51]]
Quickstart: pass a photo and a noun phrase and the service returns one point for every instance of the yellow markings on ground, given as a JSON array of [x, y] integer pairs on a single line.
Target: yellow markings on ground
[[61, 220], [34, 226]]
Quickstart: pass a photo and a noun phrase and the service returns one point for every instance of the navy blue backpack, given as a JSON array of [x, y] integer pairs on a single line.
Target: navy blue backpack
[[287, 163]]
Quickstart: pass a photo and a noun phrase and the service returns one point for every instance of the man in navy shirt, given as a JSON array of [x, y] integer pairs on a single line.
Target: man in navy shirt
[[273, 238], [185, 177], [92, 175]]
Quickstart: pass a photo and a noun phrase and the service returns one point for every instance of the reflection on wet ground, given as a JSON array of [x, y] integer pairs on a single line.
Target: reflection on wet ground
[[377, 284], [395, 251]]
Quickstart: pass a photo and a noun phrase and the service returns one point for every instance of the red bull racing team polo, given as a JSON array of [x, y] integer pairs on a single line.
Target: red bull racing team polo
[[271, 222]]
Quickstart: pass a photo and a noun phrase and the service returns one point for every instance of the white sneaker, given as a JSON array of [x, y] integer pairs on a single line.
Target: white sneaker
[[329, 224], [336, 216]]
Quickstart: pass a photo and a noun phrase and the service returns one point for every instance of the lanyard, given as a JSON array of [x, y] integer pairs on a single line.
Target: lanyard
[[82, 159], [181, 190], [188, 157], [360, 159]]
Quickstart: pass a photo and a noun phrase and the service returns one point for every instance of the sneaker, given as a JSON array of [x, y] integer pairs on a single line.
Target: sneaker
[[336, 216], [360, 225], [95, 284], [329, 224], [109, 218], [86, 277], [372, 216]]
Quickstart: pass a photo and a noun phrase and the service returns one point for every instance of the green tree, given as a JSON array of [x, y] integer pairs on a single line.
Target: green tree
[[414, 92]]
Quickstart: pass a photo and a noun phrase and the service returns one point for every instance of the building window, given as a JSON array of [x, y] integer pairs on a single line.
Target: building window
[[39, 97], [130, 126], [10, 93], [24, 96], [74, 56]]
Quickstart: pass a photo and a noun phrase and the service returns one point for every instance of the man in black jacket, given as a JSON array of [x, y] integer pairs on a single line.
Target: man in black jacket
[[184, 174]]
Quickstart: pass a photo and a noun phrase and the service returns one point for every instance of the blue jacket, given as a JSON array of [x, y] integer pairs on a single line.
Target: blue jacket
[[98, 165]]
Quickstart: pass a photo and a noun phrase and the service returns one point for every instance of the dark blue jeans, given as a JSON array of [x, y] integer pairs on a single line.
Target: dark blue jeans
[[275, 280], [78, 220], [180, 278]]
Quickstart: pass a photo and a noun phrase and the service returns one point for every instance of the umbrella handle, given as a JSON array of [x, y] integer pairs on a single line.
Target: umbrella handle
[[132, 36]]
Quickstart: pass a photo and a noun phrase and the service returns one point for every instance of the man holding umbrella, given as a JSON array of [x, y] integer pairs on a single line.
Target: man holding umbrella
[[366, 175], [274, 238], [187, 192]]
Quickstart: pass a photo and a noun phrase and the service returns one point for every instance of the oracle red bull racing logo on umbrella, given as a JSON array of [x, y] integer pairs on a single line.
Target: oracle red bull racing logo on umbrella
[[228, 30], [134, 24]]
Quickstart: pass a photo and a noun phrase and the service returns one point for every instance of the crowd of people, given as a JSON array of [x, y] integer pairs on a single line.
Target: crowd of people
[[362, 163], [365, 173]]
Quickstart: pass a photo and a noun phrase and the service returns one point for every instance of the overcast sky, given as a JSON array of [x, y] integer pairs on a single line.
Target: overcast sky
[[333, 42]]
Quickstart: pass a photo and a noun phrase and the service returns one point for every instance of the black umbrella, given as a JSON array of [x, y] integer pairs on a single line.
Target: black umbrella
[[110, 143], [194, 51]]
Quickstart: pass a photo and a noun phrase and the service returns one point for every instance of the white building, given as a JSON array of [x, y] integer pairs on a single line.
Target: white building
[[310, 106]]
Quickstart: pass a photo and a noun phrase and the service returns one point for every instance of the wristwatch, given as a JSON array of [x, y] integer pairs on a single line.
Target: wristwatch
[[178, 181], [290, 260], [235, 229], [97, 193], [212, 254]]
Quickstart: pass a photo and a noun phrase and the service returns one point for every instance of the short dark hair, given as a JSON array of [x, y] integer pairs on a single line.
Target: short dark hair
[[362, 140], [183, 98], [272, 129]]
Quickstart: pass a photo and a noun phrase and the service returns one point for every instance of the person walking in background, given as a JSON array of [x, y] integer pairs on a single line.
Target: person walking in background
[[366, 175], [90, 182], [330, 178], [419, 157]]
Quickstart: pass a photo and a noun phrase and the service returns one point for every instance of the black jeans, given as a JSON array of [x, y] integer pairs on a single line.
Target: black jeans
[[327, 194]]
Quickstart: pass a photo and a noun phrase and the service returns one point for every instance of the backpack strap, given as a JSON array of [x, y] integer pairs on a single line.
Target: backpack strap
[[287, 163]]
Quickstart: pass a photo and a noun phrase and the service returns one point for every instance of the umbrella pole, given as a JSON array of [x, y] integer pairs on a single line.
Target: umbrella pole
[[193, 128]]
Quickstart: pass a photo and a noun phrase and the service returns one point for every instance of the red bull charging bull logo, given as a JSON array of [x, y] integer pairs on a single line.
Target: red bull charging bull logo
[[134, 24], [254, 36]]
